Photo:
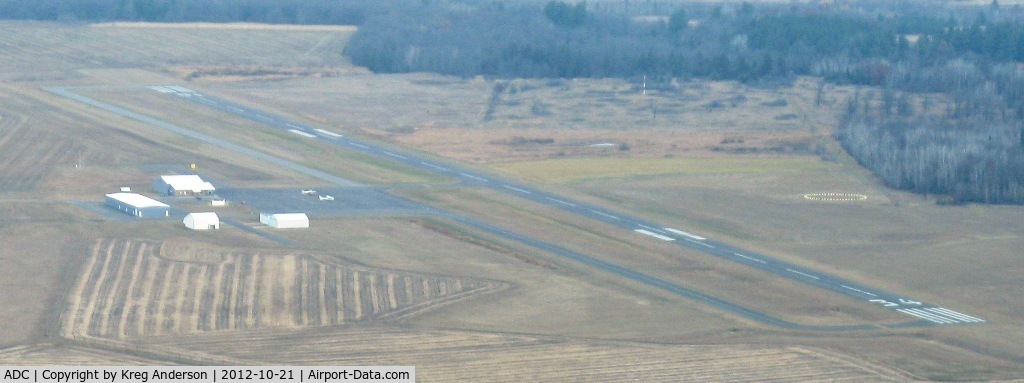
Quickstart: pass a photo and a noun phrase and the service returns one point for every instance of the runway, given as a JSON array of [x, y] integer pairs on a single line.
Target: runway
[[923, 313], [900, 303]]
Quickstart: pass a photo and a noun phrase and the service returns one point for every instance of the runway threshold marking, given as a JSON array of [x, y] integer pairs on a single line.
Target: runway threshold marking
[[604, 214], [857, 290], [750, 258], [517, 189], [301, 133], [561, 202], [954, 314], [928, 316], [655, 235], [802, 273]]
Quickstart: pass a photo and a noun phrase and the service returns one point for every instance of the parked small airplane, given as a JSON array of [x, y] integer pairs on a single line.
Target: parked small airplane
[[308, 192], [325, 197]]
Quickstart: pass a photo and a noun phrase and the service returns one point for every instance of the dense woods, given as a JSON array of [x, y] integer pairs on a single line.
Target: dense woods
[[964, 141], [266, 11], [945, 117]]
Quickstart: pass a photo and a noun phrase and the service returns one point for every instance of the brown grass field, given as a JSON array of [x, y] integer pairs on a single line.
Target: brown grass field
[[497, 357], [137, 288], [725, 160]]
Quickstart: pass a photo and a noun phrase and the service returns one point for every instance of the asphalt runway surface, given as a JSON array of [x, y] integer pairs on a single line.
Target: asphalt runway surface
[[926, 314], [346, 201]]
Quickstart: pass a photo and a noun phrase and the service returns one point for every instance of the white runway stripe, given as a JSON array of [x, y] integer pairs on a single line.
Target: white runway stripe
[[954, 314], [926, 316], [434, 166], [749, 257], [516, 189], [562, 202], [605, 214], [802, 273], [655, 235], [473, 177], [301, 133], [327, 133], [699, 243], [683, 233], [394, 155], [946, 317], [650, 228], [857, 290]]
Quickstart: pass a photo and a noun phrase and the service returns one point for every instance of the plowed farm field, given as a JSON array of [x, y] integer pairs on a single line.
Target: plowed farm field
[[133, 288], [459, 356]]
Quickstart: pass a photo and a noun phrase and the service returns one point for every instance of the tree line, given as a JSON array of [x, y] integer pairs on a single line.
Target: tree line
[[348, 12], [947, 118]]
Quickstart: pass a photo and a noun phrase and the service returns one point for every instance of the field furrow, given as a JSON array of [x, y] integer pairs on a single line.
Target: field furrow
[[140, 288]]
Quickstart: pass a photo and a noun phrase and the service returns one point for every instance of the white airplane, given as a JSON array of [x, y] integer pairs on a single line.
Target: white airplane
[[308, 192], [325, 197]]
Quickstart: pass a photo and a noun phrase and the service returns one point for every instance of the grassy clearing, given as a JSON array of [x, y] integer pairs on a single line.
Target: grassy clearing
[[579, 169], [316, 154]]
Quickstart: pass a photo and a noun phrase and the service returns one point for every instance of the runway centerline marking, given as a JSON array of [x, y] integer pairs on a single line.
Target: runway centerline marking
[[655, 235], [394, 154], [604, 214], [699, 243], [358, 145], [517, 189], [802, 273], [857, 290], [561, 202], [435, 166], [749, 257], [473, 177]]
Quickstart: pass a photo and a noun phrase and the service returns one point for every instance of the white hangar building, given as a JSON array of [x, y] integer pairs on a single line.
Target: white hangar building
[[183, 185], [138, 205], [285, 220], [202, 221]]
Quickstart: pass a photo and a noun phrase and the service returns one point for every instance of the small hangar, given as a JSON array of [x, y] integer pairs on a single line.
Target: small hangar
[[183, 185], [138, 205], [285, 220], [202, 221]]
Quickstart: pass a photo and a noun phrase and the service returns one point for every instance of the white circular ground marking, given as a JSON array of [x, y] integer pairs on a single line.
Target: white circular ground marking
[[835, 197]]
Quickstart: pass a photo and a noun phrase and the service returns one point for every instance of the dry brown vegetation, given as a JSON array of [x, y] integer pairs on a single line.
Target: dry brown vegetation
[[496, 357], [135, 288], [57, 355], [586, 326]]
